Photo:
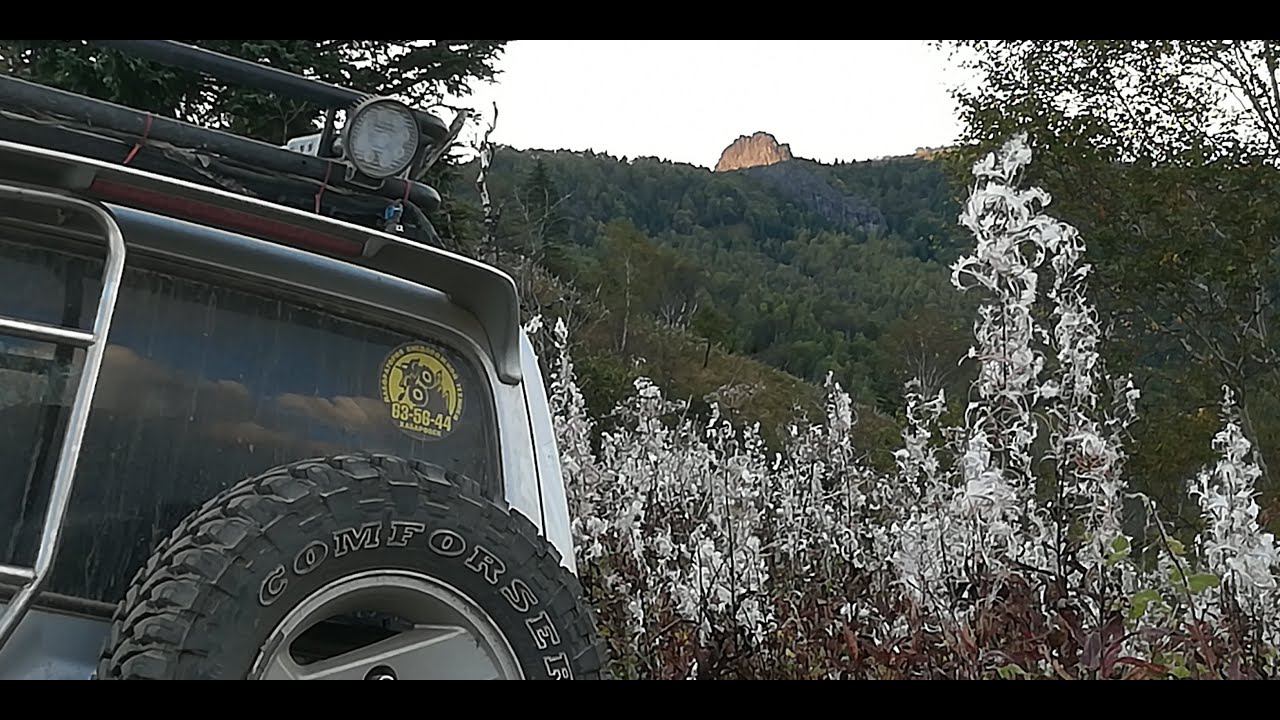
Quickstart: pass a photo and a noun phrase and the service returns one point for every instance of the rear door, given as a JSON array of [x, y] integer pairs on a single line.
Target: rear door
[[206, 379]]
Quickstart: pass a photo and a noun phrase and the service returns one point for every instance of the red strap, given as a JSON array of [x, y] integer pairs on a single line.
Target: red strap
[[328, 168], [146, 131]]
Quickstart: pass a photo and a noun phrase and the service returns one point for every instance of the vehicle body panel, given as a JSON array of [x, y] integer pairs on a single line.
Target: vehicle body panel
[[197, 276]]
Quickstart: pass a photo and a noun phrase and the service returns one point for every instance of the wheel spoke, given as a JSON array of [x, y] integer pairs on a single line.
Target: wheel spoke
[[424, 653], [282, 667]]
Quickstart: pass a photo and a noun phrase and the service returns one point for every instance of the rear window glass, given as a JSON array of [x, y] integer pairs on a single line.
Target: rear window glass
[[202, 385]]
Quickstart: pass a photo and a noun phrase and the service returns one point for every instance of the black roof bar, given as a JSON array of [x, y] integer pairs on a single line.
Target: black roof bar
[[139, 125], [261, 77]]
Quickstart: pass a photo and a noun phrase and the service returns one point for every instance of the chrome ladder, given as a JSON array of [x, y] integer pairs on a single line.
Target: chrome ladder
[[30, 580]]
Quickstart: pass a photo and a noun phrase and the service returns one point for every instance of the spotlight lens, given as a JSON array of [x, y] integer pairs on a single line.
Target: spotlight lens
[[382, 138]]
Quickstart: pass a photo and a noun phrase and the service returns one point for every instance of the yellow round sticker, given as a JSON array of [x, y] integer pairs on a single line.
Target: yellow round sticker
[[422, 390]]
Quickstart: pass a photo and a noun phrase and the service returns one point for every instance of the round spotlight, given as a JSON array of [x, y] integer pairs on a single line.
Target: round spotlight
[[381, 137]]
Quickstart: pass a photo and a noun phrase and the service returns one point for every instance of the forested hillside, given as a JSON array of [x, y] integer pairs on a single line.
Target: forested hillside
[[797, 266], [808, 268]]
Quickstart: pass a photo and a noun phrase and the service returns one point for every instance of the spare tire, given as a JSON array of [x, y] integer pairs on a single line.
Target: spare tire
[[353, 567]]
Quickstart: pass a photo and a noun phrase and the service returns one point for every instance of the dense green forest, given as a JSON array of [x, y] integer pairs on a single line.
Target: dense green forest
[[797, 267], [808, 268]]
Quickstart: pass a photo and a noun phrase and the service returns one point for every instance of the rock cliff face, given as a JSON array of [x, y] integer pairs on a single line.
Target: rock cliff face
[[753, 151]]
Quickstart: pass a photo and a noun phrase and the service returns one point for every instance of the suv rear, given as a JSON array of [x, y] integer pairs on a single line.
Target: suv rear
[[247, 438]]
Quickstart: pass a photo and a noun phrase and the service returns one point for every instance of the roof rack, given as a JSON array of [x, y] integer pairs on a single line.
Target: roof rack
[[110, 153], [46, 117]]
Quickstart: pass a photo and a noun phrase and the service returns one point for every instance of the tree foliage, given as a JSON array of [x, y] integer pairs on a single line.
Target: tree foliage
[[1165, 153]]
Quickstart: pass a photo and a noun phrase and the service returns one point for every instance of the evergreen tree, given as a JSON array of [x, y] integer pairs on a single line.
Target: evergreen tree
[[545, 221]]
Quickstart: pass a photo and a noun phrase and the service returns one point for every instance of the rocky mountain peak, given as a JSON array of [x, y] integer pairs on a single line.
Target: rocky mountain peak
[[747, 151]]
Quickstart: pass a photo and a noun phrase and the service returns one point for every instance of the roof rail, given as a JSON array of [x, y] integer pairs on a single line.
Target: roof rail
[[258, 76], [97, 129]]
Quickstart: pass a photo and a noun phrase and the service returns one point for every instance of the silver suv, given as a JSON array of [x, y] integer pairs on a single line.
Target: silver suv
[[254, 422]]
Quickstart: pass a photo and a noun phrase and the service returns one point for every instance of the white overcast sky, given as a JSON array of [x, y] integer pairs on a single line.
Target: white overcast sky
[[685, 100]]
